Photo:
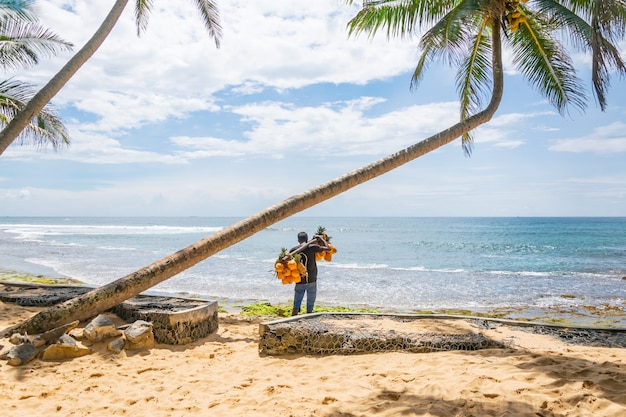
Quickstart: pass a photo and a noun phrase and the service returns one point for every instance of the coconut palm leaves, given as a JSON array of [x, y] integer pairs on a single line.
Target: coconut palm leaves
[[22, 39], [593, 27], [545, 63], [22, 42], [462, 36], [208, 13]]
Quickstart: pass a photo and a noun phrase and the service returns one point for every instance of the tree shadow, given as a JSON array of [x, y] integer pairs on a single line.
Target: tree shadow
[[403, 404], [605, 380]]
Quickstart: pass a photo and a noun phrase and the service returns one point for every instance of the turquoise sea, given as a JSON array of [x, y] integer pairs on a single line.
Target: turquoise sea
[[523, 266]]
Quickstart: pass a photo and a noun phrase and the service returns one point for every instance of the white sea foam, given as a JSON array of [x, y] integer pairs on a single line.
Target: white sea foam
[[29, 230]]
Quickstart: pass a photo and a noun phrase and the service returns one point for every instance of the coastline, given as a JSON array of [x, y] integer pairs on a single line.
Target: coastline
[[13, 265], [569, 273], [584, 316]]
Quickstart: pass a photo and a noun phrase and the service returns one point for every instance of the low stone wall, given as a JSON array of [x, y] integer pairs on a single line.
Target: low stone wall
[[345, 333], [30, 295], [351, 333], [174, 321]]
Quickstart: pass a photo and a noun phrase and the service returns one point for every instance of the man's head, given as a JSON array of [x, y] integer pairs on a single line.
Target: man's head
[[302, 237]]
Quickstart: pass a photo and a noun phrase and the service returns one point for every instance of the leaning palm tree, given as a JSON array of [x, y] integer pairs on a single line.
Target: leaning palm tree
[[471, 34], [22, 42], [20, 121]]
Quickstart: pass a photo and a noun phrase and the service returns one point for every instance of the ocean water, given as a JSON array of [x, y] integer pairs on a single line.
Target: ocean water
[[400, 264]]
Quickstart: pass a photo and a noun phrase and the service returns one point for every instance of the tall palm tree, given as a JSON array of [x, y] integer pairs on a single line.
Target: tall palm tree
[[470, 34], [210, 17], [22, 42]]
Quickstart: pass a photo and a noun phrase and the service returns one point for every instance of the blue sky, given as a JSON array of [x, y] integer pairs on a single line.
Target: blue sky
[[167, 125]]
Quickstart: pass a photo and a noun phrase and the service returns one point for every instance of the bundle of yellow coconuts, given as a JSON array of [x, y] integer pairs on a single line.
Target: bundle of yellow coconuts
[[290, 269], [514, 15], [328, 255]]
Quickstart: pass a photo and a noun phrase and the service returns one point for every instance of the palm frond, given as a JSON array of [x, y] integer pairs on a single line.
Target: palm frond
[[211, 18], [18, 9], [545, 63], [594, 26], [22, 42], [447, 39], [401, 17], [142, 12], [474, 78], [46, 128]]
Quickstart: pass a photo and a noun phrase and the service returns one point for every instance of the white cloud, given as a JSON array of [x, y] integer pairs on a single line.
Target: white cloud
[[22, 194], [509, 130], [339, 128], [91, 148], [603, 140], [174, 68]]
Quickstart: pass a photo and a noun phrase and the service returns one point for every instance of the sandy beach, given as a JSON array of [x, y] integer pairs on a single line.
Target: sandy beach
[[224, 375]]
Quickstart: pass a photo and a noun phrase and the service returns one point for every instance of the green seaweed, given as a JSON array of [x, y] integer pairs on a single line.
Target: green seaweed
[[265, 309], [37, 279], [284, 310]]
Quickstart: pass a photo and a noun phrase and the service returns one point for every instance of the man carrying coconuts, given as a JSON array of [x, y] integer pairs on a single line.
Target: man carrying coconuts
[[308, 284]]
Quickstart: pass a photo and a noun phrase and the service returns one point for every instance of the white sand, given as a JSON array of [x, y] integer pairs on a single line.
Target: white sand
[[223, 375]]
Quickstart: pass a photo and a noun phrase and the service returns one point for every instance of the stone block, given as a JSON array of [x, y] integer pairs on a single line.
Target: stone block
[[66, 348], [21, 354], [100, 328], [175, 321], [139, 335]]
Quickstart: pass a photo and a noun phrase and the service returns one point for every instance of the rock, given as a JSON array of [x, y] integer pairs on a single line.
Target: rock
[[4, 351], [139, 336], [39, 342], [117, 345], [100, 328], [66, 348], [18, 339], [77, 333], [21, 354], [54, 334]]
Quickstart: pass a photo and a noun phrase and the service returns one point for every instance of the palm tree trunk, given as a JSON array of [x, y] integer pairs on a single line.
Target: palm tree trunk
[[109, 295], [43, 97]]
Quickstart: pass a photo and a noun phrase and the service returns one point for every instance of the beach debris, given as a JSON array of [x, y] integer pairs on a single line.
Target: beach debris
[[139, 335], [54, 334], [65, 348], [116, 345], [100, 328], [21, 354]]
